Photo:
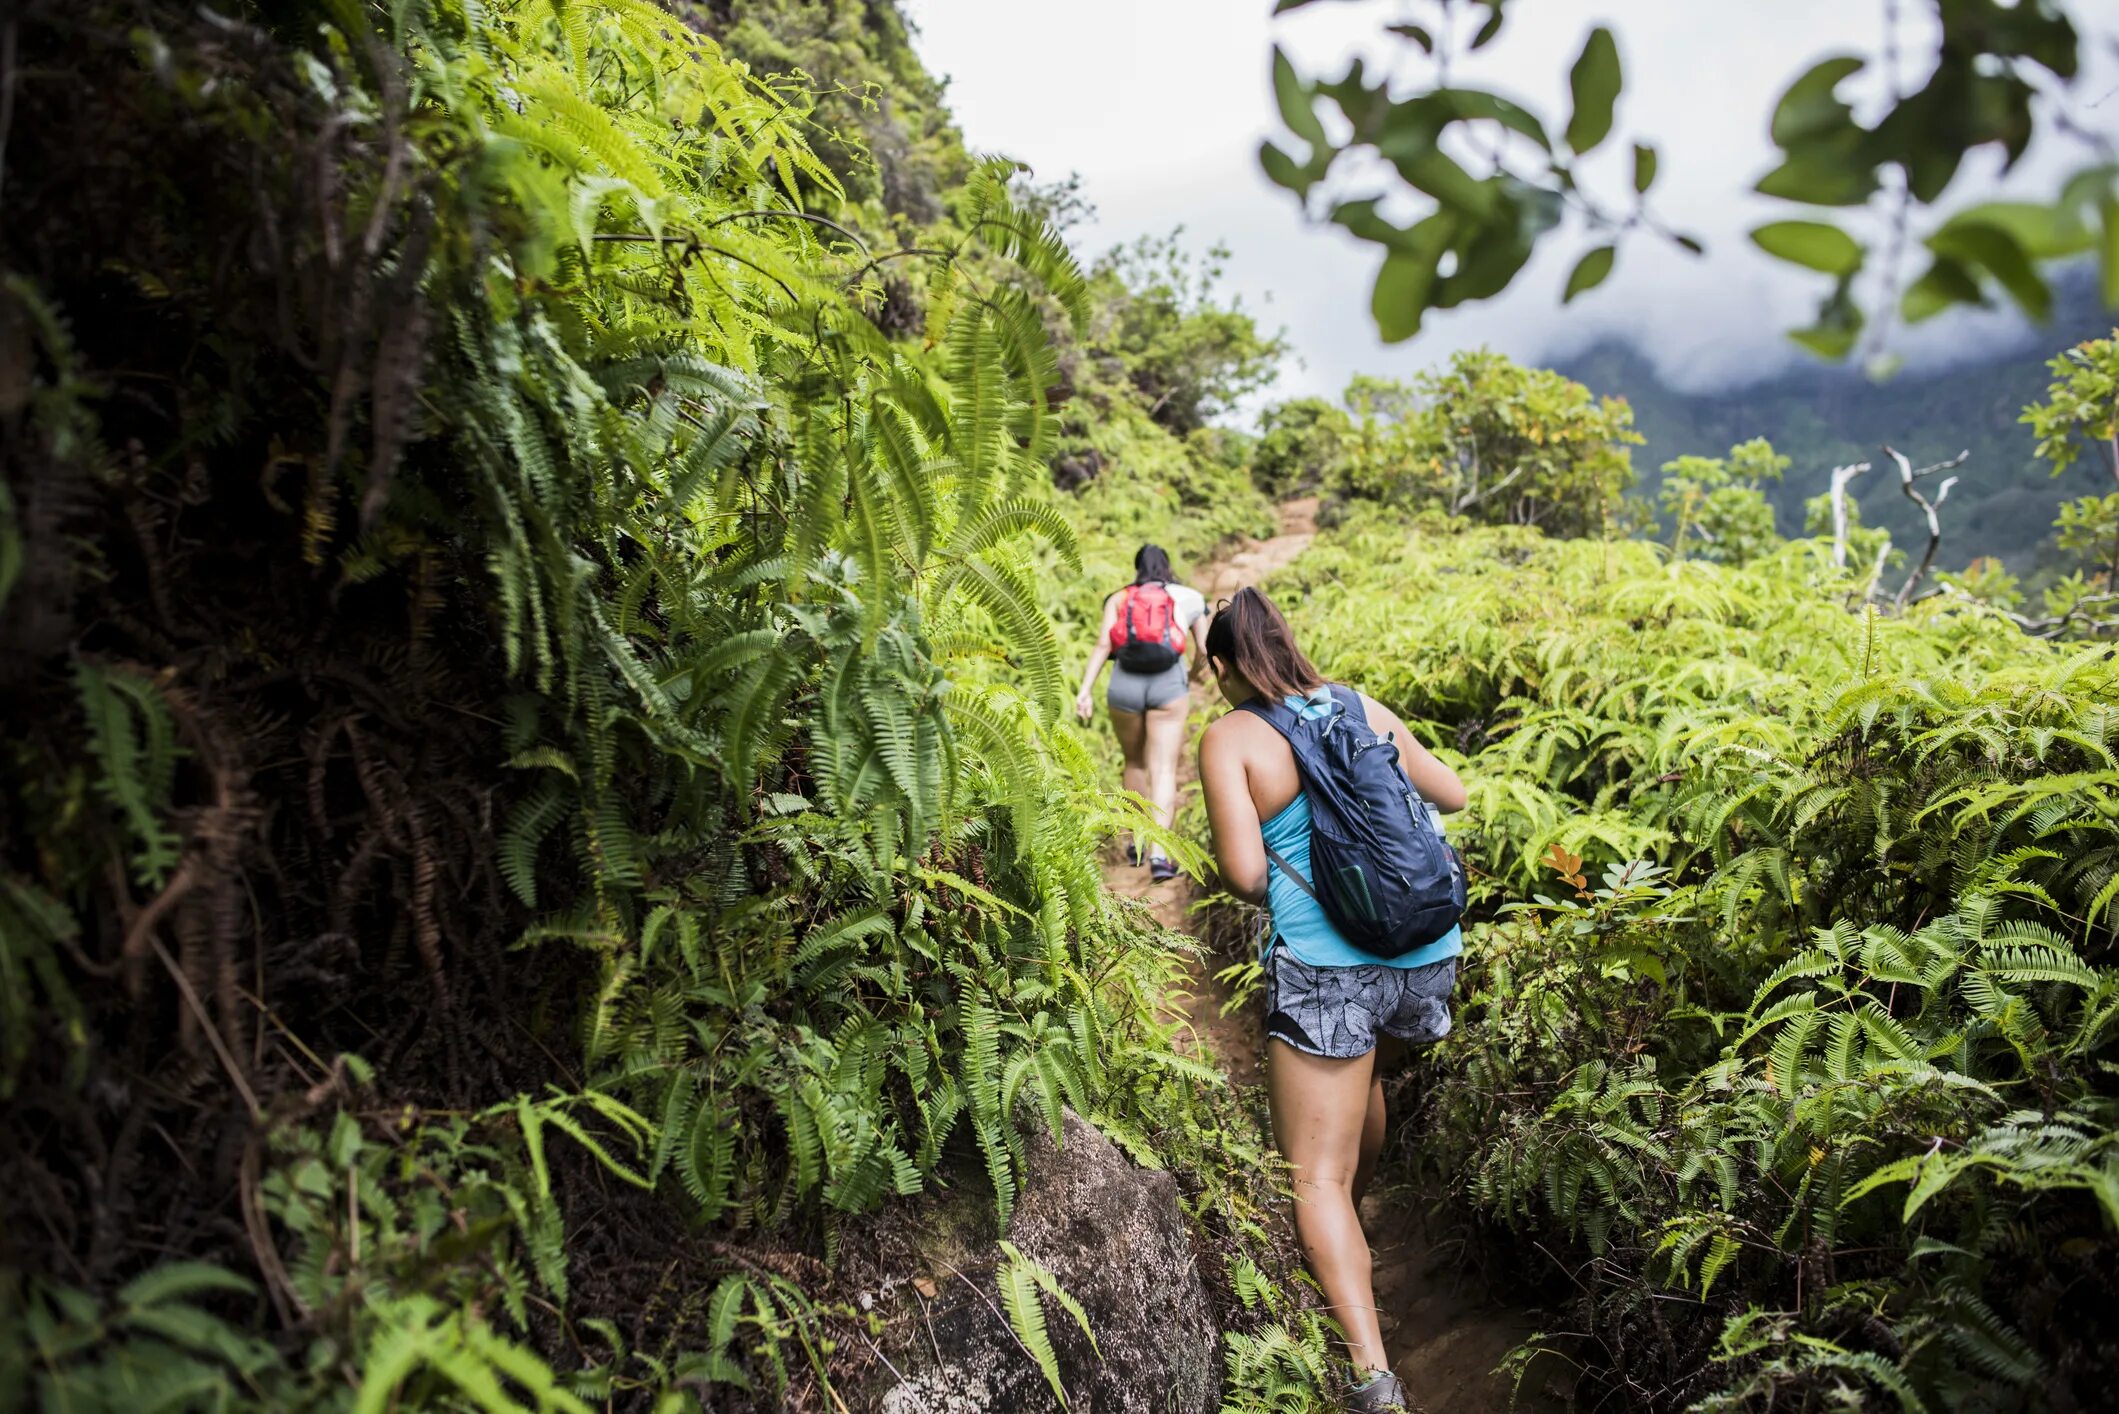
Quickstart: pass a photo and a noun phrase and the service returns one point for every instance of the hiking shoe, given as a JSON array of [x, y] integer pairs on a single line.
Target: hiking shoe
[[1160, 869], [1136, 857], [1384, 1393]]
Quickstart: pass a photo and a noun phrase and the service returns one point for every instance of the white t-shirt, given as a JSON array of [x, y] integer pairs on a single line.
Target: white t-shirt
[[1191, 605]]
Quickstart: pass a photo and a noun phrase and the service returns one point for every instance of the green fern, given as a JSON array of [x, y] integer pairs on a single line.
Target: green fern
[[134, 741], [1021, 1279]]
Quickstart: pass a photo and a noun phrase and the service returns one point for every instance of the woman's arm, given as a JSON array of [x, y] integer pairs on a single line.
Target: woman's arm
[[1239, 845], [1437, 783], [1199, 640], [1085, 702]]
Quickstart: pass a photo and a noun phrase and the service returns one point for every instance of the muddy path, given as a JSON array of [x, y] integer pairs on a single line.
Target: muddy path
[[1445, 1337]]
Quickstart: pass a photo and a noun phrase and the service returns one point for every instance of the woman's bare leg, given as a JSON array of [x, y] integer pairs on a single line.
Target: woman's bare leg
[[1166, 740], [1131, 729], [1389, 1051], [1320, 1108], [1371, 1138]]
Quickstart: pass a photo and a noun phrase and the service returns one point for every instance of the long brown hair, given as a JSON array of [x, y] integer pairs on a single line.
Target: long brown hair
[[1250, 635]]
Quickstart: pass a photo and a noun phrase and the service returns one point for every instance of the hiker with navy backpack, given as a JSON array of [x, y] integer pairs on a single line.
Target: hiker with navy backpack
[[1324, 808], [1148, 626]]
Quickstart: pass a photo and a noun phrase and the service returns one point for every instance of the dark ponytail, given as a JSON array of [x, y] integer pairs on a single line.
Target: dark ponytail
[[1249, 635], [1151, 565]]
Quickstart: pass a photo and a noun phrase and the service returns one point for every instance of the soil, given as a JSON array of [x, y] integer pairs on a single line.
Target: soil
[[1444, 1334]]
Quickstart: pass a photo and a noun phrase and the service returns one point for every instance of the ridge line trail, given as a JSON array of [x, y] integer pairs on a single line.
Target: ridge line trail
[[1444, 1339]]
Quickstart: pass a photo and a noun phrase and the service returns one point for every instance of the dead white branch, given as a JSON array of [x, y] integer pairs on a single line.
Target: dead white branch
[[1841, 475], [1474, 496], [1908, 480]]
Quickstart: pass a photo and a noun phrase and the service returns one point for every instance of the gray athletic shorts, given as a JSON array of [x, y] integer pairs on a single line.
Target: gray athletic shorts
[[1137, 692], [1337, 1011]]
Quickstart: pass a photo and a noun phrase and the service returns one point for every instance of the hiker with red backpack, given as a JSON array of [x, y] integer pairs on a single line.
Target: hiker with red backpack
[[1147, 629]]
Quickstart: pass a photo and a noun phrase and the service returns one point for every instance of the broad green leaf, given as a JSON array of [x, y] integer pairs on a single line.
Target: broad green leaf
[[1840, 175], [1281, 169], [1997, 251], [1441, 177], [1808, 109], [1644, 163], [1594, 84], [1363, 220], [1945, 283], [1488, 258], [1814, 245], [2041, 232], [1476, 103], [1297, 104], [1403, 285], [1589, 272]]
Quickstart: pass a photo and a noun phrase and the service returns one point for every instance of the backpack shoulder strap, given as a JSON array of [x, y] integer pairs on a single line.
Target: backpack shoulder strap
[[1283, 720], [1278, 714], [1294, 875]]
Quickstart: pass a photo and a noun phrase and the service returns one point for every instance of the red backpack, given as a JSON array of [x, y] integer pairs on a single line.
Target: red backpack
[[1147, 636]]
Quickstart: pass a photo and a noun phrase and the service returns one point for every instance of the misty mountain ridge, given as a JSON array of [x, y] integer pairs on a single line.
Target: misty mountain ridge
[[1823, 416]]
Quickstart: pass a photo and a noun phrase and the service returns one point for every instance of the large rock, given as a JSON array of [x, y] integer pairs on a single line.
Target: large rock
[[1114, 1236]]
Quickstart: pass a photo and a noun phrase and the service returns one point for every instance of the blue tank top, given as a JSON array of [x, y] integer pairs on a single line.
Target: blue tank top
[[1299, 920]]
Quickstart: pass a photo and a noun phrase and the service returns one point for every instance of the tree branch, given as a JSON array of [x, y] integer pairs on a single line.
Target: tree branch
[[2051, 626], [1907, 476], [1475, 496], [1841, 475]]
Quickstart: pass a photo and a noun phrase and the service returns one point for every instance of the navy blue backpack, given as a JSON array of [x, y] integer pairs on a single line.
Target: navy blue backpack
[[1384, 874]]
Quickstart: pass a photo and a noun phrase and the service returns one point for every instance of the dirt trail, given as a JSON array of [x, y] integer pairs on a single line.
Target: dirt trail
[[1236, 1040], [1444, 1340]]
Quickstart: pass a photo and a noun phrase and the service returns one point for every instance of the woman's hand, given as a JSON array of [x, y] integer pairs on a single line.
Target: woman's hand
[[1099, 654]]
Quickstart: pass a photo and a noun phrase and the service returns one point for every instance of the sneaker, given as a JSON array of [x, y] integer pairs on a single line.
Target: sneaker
[[1135, 856], [1382, 1393], [1160, 869]]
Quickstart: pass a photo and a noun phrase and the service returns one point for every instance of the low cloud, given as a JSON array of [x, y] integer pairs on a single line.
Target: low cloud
[[1161, 108]]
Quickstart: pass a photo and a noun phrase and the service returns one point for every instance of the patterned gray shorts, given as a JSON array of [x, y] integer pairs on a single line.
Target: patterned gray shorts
[[1337, 1011]]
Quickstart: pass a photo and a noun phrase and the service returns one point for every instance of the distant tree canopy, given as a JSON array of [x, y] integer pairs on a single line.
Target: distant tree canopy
[[1489, 439], [1717, 501], [2081, 410], [1492, 178], [1298, 442], [1189, 355]]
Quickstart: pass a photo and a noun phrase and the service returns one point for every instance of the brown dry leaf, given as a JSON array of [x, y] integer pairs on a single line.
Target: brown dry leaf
[[924, 1286]]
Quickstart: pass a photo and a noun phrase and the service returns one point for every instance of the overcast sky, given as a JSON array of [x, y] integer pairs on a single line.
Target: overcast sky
[[1160, 106]]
